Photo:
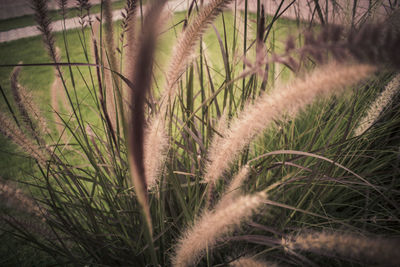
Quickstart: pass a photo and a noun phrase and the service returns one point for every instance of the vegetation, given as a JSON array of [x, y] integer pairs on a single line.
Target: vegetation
[[29, 20], [237, 148]]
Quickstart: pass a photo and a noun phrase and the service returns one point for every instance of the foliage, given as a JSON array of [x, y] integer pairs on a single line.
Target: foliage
[[215, 158]]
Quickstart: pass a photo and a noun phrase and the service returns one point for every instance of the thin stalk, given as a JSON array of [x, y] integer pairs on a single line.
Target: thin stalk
[[244, 50]]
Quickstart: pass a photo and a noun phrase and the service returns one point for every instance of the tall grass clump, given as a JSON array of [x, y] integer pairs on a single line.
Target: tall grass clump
[[251, 142]]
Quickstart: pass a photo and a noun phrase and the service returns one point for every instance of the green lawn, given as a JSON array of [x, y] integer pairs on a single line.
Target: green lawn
[[29, 20]]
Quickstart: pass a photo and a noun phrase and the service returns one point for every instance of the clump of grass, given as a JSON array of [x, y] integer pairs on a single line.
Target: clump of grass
[[140, 183]]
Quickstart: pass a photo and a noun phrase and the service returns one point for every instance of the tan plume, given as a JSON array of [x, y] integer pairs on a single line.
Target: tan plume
[[233, 189], [289, 99], [16, 199], [378, 105], [212, 226], [251, 262], [155, 144], [10, 130], [371, 250], [187, 41], [34, 121]]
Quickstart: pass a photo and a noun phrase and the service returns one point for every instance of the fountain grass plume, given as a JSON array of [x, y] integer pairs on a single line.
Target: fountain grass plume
[[113, 63], [16, 93], [250, 262], [181, 54], [44, 25], [107, 78], [141, 78], [221, 130], [285, 99], [154, 137], [10, 130], [15, 199], [212, 226], [154, 155], [129, 30], [34, 122], [383, 100], [233, 189], [187, 42], [365, 249]]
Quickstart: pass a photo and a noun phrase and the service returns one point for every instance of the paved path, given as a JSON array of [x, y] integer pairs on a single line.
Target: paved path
[[73, 23], [56, 26], [300, 9]]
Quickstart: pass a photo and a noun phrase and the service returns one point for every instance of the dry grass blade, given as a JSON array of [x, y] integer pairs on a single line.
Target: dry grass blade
[[57, 90], [289, 99]]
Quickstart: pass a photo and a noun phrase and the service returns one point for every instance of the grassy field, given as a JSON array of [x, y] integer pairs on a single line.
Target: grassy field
[[244, 175], [29, 20]]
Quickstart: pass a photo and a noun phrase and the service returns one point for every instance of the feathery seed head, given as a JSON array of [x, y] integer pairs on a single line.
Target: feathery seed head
[[187, 41], [289, 99], [33, 120], [233, 189], [251, 262], [9, 129], [377, 250], [378, 106], [155, 144], [212, 226], [16, 199], [44, 25]]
